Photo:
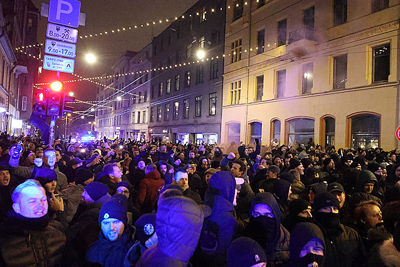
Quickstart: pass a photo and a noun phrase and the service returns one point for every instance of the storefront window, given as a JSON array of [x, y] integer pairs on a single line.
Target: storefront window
[[365, 131], [300, 131]]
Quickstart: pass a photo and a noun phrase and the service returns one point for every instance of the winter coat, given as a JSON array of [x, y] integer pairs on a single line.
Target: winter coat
[[62, 181], [179, 221], [72, 196], [111, 187], [31, 242], [277, 251], [192, 195], [148, 190], [111, 253], [385, 255], [219, 196]]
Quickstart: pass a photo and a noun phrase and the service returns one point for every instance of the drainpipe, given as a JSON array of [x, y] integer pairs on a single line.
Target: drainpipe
[[248, 78]]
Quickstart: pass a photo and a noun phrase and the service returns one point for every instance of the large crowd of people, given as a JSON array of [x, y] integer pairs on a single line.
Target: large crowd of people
[[129, 203]]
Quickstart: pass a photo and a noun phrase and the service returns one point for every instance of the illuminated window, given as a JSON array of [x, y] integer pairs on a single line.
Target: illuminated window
[[260, 87], [186, 108], [365, 131], [166, 112], [381, 63], [168, 85], [212, 110], [235, 92], [176, 111], [255, 131], [339, 72], [236, 51], [300, 131], [197, 106], [308, 78]]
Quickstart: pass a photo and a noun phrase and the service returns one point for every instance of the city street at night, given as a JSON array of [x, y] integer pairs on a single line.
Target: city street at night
[[198, 133]]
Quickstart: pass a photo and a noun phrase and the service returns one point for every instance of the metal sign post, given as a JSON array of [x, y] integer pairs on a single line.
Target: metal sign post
[[52, 124]]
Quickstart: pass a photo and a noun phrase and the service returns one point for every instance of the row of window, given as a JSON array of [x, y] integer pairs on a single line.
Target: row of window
[[380, 68], [339, 9], [175, 84], [364, 131], [157, 111]]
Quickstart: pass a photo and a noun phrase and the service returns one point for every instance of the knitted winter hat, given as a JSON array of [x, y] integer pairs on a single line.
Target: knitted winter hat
[[83, 174], [297, 205], [324, 200], [293, 163], [45, 175], [145, 227], [245, 252], [96, 190], [114, 209]]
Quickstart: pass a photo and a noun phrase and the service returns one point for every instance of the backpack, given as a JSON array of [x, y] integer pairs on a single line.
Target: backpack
[[208, 242]]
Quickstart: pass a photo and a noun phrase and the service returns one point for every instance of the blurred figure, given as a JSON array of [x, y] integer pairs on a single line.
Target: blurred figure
[[245, 252]]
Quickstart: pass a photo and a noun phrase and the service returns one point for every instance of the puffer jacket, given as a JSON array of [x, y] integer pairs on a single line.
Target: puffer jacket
[[31, 242], [148, 190], [179, 221], [385, 255]]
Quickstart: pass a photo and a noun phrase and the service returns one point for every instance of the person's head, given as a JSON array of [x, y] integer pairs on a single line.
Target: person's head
[[368, 214], [306, 245], [47, 178], [208, 173], [299, 208], [84, 176], [190, 169], [329, 164], [141, 165], [149, 168], [163, 167], [245, 252], [204, 163], [112, 219], [113, 171], [296, 165], [338, 191], [4, 175], [146, 230], [93, 192], [273, 172], [29, 199], [58, 155], [49, 158], [262, 209], [192, 155], [238, 168], [326, 210], [123, 189], [181, 179]]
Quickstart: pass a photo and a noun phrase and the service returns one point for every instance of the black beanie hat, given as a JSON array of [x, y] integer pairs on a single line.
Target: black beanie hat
[[145, 227], [245, 252], [326, 161], [293, 163], [114, 209], [83, 174], [96, 190], [45, 175], [324, 200], [297, 205]]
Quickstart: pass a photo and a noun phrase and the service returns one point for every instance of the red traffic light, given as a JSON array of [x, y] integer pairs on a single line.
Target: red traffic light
[[56, 86]]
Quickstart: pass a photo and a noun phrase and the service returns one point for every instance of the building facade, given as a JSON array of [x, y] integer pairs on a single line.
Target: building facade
[[122, 110], [320, 71], [186, 88], [18, 23]]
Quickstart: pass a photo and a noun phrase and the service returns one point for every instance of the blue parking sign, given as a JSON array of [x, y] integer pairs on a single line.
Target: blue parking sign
[[65, 12]]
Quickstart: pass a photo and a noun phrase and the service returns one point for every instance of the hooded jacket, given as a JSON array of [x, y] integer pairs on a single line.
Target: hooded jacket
[[300, 235], [179, 221], [277, 251], [148, 189], [219, 197]]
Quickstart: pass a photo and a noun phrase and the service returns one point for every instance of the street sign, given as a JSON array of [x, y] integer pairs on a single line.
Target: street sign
[[60, 48], [62, 33], [58, 64], [44, 12], [398, 133], [65, 12]]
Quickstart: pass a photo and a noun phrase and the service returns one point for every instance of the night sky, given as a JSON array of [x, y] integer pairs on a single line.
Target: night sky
[[104, 15]]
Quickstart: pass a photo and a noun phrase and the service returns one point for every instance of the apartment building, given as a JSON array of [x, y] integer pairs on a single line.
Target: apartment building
[[186, 88], [326, 71]]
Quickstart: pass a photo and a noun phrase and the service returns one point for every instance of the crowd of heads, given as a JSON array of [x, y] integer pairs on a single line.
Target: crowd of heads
[[122, 202]]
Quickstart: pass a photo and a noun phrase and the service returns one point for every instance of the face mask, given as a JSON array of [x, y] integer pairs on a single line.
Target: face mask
[[151, 241], [265, 226], [328, 220], [311, 260]]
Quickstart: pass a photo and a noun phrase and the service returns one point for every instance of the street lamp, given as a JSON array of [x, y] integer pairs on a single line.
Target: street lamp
[[200, 54], [82, 117], [90, 58], [119, 98], [92, 109], [71, 94]]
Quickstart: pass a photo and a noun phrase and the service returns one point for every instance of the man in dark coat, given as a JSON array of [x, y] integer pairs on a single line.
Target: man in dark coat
[[179, 221], [28, 237], [181, 179], [116, 236], [265, 227], [110, 176], [344, 246]]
